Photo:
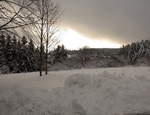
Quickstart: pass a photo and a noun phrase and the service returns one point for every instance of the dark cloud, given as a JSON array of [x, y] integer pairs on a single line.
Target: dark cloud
[[120, 20]]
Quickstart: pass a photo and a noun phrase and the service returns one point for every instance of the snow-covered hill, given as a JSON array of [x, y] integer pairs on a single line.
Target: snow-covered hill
[[109, 91]]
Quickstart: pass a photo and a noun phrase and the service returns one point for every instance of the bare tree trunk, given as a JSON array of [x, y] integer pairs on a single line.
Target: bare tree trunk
[[41, 44], [46, 68]]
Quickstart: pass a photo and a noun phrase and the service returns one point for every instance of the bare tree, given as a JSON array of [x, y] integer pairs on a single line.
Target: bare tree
[[84, 55], [52, 15], [13, 14], [47, 11]]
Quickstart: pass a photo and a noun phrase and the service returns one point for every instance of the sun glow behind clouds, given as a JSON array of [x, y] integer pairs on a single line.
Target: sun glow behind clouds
[[74, 40]]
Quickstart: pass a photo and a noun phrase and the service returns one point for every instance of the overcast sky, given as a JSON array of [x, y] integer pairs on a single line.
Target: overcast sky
[[116, 20]]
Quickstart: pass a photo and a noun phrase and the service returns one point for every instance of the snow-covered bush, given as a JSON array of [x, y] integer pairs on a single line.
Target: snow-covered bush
[[136, 50], [20, 55]]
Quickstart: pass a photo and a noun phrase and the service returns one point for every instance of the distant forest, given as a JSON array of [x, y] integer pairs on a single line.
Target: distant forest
[[21, 55]]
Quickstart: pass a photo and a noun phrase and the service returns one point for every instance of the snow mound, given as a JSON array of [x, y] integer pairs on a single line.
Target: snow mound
[[78, 80], [82, 80]]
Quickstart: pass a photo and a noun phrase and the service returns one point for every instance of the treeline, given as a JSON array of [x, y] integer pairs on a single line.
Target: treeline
[[18, 55], [136, 50], [21, 55]]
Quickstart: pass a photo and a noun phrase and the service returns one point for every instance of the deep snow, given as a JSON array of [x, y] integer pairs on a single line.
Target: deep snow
[[107, 91]]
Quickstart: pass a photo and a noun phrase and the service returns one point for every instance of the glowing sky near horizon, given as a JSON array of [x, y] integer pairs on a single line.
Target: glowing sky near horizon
[[74, 40]]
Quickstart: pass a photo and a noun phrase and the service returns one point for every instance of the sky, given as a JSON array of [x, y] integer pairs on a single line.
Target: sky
[[104, 23]]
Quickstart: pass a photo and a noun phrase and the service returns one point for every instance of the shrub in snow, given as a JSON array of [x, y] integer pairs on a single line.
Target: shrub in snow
[[84, 55], [136, 50], [59, 54]]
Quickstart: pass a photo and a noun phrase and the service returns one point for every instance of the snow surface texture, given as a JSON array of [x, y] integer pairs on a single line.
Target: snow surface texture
[[111, 91]]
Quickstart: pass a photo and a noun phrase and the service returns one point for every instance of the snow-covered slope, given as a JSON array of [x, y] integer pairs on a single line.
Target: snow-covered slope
[[108, 91]]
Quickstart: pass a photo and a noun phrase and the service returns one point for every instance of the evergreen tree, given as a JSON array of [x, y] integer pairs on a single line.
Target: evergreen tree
[[14, 62], [136, 50], [31, 57], [8, 52], [24, 55], [2, 48], [18, 55]]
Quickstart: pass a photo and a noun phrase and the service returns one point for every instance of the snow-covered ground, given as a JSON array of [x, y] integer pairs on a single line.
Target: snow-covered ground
[[107, 91]]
